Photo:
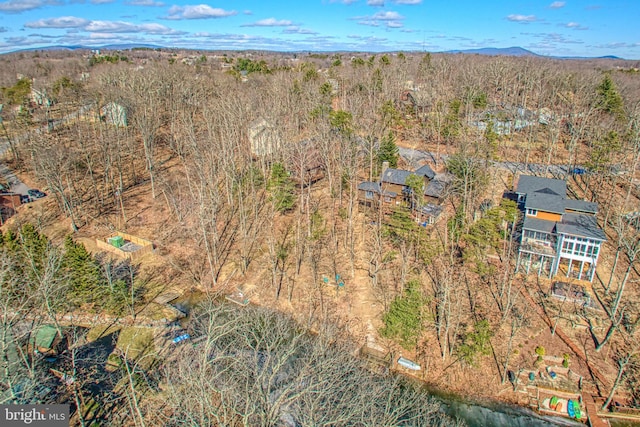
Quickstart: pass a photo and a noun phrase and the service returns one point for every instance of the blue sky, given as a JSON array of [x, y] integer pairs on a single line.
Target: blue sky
[[572, 27]]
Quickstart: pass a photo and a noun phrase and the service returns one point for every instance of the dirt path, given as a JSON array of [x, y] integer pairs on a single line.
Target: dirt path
[[364, 307]]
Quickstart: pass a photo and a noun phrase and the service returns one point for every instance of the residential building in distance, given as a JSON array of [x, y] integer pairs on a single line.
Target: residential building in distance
[[392, 190], [114, 114], [264, 138], [559, 235]]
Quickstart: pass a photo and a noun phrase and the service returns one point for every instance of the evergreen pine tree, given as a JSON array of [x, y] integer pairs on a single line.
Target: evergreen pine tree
[[609, 99], [403, 321], [282, 188], [84, 273], [35, 248], [388, 151]]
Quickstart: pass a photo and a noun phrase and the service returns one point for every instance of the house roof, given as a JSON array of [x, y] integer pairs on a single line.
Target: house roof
[[581, 206], [435, 188], [430, 209], [580, 226], [425, 170], [395, 176], [528, 184], [420, 98], [535, 224], [545, 202], [369, 186], [375, 187], [45, 336]]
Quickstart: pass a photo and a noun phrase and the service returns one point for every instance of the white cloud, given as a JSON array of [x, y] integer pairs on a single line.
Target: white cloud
[[102, 1], [557, 4], [522, 18], [375, 3], [18, 6], [270, 22], [574, 26], [297, 30], [200, 11], [102, 26], [151, 3], [154, 28], [62, 22], [411, 2], [128, 27], [387, 16], [617, 45]]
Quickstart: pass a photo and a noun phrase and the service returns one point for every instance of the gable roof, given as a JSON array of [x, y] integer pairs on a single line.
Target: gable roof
[[375, 187], [369, 186], [545, 202], [425, 170], [395, 176], [435, 188], [528, 184], [45, 335], [580, 226]]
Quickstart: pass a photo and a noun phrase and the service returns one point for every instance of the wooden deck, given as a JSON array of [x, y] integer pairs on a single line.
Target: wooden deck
[[592, 411], [167, 297]]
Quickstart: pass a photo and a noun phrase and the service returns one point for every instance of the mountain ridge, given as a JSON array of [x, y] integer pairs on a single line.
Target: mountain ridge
[[516, 51], [520, 51]]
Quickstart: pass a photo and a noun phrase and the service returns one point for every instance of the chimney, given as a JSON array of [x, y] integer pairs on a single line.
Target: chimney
[[385, 166]]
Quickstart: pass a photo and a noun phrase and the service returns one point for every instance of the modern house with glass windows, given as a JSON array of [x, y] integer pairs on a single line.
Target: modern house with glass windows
[[559, 235]]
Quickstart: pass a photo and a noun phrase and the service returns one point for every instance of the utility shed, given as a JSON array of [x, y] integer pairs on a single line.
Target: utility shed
[[44, 339]]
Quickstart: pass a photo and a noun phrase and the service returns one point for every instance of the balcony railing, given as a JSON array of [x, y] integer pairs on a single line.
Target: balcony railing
[[542, 247]]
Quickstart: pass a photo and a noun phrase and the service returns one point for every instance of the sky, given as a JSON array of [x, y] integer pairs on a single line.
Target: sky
[[547, 27]]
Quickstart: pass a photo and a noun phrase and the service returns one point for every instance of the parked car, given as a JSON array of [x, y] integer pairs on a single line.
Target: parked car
[[35, 194], [25, 199], [578, 171]]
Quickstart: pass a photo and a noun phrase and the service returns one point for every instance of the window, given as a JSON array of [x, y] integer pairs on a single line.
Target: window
[[537, 235], [532, 212], [387, 199], [567, 247], [368, 194]]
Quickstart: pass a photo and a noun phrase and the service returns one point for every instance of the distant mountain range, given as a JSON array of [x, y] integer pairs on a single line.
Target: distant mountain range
[[519, 51], [489, 51], [105, 47], [495, 51]]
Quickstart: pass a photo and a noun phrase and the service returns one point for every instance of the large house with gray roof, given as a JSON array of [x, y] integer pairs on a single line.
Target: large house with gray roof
[[392, 190], [559, 235]]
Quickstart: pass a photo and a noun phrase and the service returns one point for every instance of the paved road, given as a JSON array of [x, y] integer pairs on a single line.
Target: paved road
[[6, 174], [15, 185], [417, 158]]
